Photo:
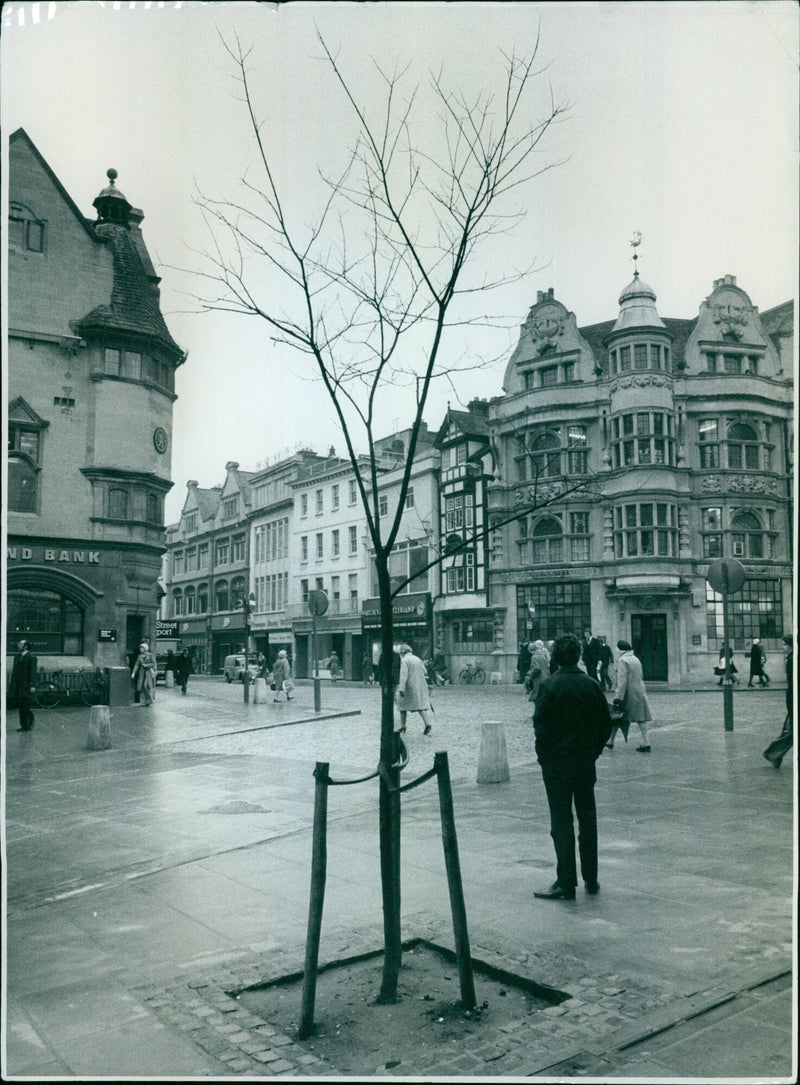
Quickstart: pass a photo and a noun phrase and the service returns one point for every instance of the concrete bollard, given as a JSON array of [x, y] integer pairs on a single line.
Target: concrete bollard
[[99, 734], [169, 679], [492, 756], [260, 691]]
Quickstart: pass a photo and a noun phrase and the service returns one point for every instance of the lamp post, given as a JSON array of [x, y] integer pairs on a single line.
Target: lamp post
[[726, 578], [317, 605], [248, 602]]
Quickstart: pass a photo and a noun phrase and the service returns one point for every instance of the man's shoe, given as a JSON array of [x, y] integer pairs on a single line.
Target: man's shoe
[[609, 745], [592, 887], [774, 761], [556, 892], [643, 749]]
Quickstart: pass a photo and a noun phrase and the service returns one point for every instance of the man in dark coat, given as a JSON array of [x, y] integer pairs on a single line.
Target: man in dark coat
[[523, 661], [777, 750], [23, 684], [590, 653], [572, 723], [181, 668]]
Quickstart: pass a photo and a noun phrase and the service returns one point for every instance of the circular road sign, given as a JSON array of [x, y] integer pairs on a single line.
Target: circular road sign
[[736, 575], [317, 602]]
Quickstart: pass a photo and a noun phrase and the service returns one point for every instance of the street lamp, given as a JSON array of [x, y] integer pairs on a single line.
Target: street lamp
[[248, 602]]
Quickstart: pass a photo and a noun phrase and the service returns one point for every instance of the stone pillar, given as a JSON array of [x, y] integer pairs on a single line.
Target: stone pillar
[[99, 734], [169, 679], [492, 756], [260, 691]]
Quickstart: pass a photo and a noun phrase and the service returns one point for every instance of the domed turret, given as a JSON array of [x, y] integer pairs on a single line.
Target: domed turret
[[111, 204], [637, 307]]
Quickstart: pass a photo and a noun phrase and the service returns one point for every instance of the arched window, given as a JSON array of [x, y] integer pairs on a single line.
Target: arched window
[[743, 446], [546, 458], [547, 544], [189, 600], [51, 622], [747, 536], [221, 597], [117, 504], [238, 591], [177, 602], [202, 598]]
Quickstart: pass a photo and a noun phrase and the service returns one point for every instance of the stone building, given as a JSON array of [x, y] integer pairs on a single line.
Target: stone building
[[640, 450], [91, 386]]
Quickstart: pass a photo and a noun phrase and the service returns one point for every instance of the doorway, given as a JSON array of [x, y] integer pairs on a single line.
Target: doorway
[[649, 640]]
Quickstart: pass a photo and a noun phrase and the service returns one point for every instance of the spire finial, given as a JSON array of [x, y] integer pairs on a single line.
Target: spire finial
[[635, 243], [112, 175]]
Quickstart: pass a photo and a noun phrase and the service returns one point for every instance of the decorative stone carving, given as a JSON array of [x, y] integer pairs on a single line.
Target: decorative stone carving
[[608, 534], [730, 313], [738, 484], [534, 495], [684, 541], [546, 327], [641, 380]]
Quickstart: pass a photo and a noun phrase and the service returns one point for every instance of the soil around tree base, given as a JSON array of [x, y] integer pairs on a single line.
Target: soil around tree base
[[356, 1036]]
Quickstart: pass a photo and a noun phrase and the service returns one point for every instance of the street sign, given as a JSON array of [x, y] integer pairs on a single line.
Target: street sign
[[726, 575], [317, 602]]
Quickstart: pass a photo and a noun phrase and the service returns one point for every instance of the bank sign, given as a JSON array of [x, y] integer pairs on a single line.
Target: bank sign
[[414, 606], [70, 557]]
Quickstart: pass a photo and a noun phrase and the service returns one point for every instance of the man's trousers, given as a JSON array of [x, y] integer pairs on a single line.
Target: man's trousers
[[562, 792]]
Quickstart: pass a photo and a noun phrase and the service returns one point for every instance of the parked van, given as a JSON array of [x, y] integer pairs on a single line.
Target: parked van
[[233, 668]]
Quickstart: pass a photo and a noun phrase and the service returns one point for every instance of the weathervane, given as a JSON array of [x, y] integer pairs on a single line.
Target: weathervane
[[635, 243]]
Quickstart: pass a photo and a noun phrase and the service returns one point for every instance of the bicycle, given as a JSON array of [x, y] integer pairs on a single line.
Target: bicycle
[[472, 673], [92, 688]]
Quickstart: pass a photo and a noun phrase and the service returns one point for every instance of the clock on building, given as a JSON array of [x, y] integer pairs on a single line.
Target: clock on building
[[160, 439]]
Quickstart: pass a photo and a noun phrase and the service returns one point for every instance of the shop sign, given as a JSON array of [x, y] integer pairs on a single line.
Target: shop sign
[[166, 630], [74, 557], [107, 634], [414, 607]]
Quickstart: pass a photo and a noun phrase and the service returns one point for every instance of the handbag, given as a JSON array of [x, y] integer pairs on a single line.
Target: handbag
[[288, 686], [619, 718]]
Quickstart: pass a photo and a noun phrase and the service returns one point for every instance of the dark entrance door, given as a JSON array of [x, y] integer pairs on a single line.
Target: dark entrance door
[[649, 640], [134, 631]]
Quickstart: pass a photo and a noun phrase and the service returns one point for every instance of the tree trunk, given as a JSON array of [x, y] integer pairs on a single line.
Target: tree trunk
[[389, 802]]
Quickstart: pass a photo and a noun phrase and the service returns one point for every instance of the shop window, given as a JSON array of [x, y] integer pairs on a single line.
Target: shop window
[[477, 636], [548, 611], [754, 611], [52, 623]]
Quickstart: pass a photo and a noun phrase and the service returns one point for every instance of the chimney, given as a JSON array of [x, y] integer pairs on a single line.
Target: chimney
[[231, 465], [479, 406], [192, 484]]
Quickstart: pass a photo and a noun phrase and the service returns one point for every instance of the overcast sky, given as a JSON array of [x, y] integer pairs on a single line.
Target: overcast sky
[[683, 125]]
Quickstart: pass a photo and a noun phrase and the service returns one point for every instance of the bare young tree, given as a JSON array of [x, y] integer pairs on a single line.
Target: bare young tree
[[369, 287]]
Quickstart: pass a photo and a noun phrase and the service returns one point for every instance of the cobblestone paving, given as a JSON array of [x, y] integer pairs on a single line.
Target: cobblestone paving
[[598, 1006]]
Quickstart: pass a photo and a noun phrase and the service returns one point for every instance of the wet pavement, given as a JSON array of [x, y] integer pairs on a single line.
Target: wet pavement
[[148, 881]]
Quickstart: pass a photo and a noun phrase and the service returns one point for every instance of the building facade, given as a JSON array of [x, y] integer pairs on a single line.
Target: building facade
[[91, 387], [637, 452]]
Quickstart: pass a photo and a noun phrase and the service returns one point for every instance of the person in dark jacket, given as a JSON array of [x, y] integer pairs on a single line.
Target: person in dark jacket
[[590, 653], [181, 668], [605, 659], [23, 684], [572, 723], [777, 750], [523, 661], [758, 661]]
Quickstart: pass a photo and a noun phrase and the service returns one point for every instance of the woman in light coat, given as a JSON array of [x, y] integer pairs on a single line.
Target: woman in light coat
[[538, 670], [144, 674], [631, 695], [282, 676], [412, 688]]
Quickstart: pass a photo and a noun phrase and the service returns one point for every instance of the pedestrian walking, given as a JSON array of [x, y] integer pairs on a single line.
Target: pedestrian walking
[[720, 668], [551, 649], [23, 684], [758, 662], [538, 671], [282, 677], [606, 658], [182, 668], [262, 667], [523, 661], [132, 657], [412, 688], [777, 750], [334, 667], [366, 669], [439, 666], [590, 653], [631, 695], [571, 724], [144, 674]]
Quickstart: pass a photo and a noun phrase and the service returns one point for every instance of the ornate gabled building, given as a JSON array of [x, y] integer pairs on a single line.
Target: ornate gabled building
[[91, 388], [640, 450]]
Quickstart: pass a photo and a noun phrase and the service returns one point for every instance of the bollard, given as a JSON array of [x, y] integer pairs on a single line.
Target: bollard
[[99, 734], [492, 756], [260, 691], [169, 679]]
